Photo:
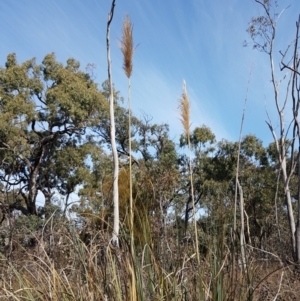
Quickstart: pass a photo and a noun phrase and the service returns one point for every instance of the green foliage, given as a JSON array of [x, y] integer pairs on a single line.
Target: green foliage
[[45, 111], [199, 137]]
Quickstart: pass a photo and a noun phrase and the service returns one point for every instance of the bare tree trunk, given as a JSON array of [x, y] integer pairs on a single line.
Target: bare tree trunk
[[297, 232], [115, 235], [296, 103], [33, 185], [265, 27]]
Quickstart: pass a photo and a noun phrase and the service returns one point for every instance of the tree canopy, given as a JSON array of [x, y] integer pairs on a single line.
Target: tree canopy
[[46, 111]]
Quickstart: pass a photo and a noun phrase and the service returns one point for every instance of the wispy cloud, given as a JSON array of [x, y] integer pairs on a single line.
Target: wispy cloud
[[199, 41], [157, 95]]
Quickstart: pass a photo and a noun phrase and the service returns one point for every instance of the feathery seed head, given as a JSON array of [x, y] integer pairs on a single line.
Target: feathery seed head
[[126, 45], [184, 108]]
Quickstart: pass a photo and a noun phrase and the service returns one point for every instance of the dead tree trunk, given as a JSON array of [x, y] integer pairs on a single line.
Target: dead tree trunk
[[115, 235]]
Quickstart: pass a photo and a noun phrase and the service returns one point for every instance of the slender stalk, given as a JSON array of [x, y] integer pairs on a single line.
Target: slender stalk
[[130, 170], [238, 187], [127, 49], [184, 107], [193, 201]]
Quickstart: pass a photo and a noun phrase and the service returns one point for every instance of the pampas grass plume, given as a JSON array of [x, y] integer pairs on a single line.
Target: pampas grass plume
[[184, 108], [126, 45]]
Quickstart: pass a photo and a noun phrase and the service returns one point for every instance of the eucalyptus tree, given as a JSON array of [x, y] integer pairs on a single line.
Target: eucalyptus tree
[[263, 30], [214, 170], [95, 195], [202, 140], [45, 111], [155, 176]]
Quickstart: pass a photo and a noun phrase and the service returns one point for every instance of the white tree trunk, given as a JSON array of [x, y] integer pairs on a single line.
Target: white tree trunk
[[115, 235]]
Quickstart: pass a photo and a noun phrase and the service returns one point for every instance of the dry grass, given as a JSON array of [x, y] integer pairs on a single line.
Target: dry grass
[[76, 269]]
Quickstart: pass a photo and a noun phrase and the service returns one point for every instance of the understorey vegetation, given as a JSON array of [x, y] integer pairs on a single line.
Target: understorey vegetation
[[97, 203]]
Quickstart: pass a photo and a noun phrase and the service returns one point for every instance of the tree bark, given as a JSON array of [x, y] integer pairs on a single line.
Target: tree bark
[[32, 185]]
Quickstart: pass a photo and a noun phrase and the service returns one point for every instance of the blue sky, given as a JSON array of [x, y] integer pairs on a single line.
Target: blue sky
[[199, 41]]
